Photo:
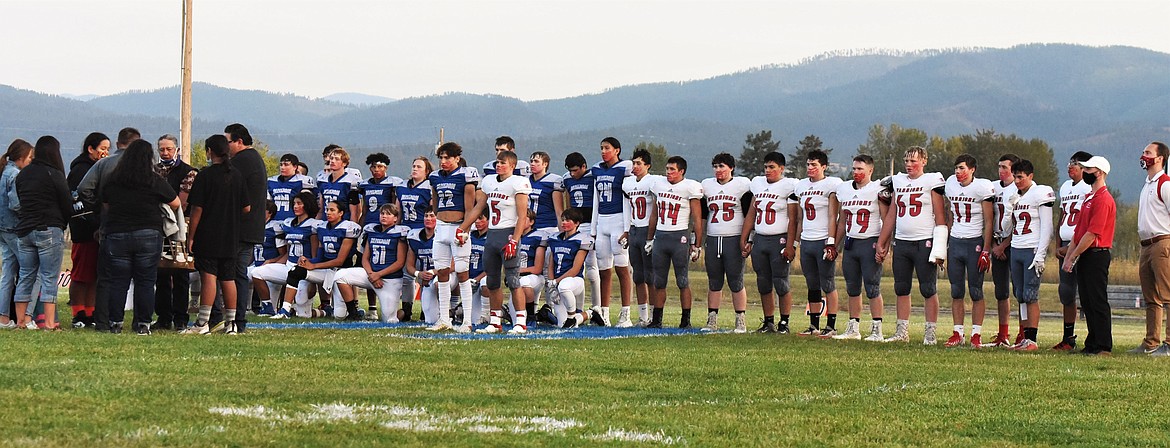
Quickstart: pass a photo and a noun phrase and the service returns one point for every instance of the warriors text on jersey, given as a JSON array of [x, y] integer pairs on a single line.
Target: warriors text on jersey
[[641, 199], [674, 203], [813, 202], [860, 209], [915, 217], [725, 205], [967, 206], [501, 199], [771, 200]]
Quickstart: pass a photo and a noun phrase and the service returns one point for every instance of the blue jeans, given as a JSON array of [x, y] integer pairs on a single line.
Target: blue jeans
[[9, 245], [40, 257], [134, 256]]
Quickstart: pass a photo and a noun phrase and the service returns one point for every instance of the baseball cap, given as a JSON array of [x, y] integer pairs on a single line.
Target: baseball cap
[[1097, 162]]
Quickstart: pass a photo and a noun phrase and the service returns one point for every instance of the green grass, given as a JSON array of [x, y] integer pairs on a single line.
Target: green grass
[[81, 388]]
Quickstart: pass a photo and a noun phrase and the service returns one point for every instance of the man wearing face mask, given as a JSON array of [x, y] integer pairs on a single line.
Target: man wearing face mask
[[1089, 253], [1153, 227], [1072, 194], [172, 290]]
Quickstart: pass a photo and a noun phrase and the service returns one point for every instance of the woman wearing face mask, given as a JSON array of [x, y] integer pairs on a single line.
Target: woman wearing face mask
[[19, 155]]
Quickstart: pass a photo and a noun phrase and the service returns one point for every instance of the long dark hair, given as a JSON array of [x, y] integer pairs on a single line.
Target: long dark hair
[[48, 152], [93, 140], [136, 165], [19, 149], [218, 144]]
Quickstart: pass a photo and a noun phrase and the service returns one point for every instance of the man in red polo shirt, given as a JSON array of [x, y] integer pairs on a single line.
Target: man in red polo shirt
[[1090, 254]]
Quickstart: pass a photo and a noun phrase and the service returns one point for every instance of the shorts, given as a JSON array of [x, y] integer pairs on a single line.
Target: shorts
[[817, 270], [963, 264], [770, 265], [493, 260], [610, 251], [224, 269], [642, 265], [912, 257], [723, 259], [860, 267], [85, 257], [1025, 282], [1068, 283], [671, 248]]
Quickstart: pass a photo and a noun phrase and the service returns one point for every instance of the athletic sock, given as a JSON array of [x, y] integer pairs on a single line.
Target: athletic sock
[[287, 306], [1068, 330], [465, 291], [530, 307], [495, 319], [605, 313], [522, 319], [738, 312], [657, 316], [444, 299], [1003, 329], [407, 310], [769, 319], [204, 315], [976, 329], [712, 310], [855, 319], [1030, 333], [686, 315], [877, 319], [959, 329], [626, 310], [814, 321], [784, 319], [351, 307], [832, 321], [229, 315], [643, 310]]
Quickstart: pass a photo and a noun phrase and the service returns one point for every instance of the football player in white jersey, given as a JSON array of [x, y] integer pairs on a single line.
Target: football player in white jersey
[[503, 194], [642, 210], [816, 199], [1000, 264], [769, 221], [1072, 195], [679, 214], [726, 198], [1029, 213], [917, 223], [969, 247], [862, 207]]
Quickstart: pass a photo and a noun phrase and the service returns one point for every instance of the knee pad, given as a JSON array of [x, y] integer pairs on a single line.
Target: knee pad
[[682, 280], [927, 289], [872, 291], [764, 284], [621, 258], [734, 283], [715, 281], [901, 287], [782, 285], [295, 276], [462, 264], [511, 278], [814, 296]]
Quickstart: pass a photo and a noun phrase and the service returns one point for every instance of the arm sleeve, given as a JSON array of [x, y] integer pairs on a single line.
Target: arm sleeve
[[1045, 235], [745, 201]]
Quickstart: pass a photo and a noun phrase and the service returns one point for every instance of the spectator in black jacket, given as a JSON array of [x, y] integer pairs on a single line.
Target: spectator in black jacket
[[45, 208], [83, 232]]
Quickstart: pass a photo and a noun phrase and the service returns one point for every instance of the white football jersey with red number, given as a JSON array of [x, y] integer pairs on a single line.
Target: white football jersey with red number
[[813, 200], [967, 206], [1002, 193], [674, 203], [860, 209], [915, 214], [641, 199], [1071, 198], [771, 200], [1026, 214], [501, 199], [723, 205]]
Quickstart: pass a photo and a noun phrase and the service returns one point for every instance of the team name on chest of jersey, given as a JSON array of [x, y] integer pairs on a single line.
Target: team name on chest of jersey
[[412, 198], [376, 191], [565, 247], [383, 241], [1023, 207], [605, 178], [964, 199], [282, 192], [722, 197], [446, 186], [1072, 198], [670, 196], [765, 196], [813, 192], [334, 189], [910, 189], [498, 195], [857, 203]]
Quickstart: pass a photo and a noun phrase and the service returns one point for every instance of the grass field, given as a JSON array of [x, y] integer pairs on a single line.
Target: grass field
[[379, 386]]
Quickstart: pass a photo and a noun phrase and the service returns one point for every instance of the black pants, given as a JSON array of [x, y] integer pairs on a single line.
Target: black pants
[[101, 305], [1093, 278], [172, 295]]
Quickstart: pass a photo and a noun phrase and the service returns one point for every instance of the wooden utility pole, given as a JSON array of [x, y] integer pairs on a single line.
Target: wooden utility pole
[[185, 113]]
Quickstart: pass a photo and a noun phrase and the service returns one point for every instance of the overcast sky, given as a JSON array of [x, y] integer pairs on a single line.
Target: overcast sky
[[524, 49]]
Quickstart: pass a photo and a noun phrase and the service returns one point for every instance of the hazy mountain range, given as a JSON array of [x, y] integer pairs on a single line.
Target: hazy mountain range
[[1109, 100]]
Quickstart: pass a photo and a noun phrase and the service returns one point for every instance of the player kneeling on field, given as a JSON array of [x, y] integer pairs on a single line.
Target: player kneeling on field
[[383, 256], [568, 251]]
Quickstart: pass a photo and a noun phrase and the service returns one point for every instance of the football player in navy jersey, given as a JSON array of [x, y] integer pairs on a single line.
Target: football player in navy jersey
[[271, 251], [611, 225], [567, 252], [579, 190], [414, 196], [531, 253], [478, 307], [383, 256], [296, 234], [286, 184], [375, 192], [453, 189], [336, 241], [340, 183], [420, 265]]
